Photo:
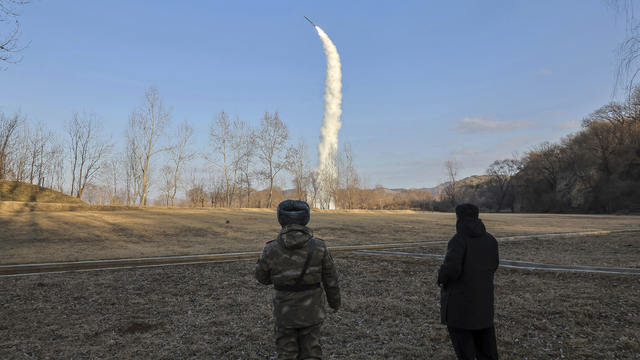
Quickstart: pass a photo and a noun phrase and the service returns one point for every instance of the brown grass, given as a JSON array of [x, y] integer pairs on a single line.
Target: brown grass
[[390, 311], [55, 236], [617, 250]]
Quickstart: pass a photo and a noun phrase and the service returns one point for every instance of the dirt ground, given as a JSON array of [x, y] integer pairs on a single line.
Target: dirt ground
[[217, 310], [617, 250], [390, 311], [56, 236]]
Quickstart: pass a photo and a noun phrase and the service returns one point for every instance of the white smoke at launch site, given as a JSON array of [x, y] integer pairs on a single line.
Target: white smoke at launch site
[[331, 124]]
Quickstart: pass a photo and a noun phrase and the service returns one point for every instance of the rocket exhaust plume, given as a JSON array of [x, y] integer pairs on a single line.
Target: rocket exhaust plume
[[328, 146]]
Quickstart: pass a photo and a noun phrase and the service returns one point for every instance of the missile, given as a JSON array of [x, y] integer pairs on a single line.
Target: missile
[[314, 25]]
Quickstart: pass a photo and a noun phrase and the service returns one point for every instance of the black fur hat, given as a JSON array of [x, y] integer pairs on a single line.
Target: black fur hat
[[293, 212], [467, 210]]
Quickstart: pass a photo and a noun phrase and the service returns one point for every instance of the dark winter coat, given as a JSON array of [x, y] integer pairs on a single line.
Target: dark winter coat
[[281, 263], [466, 277]]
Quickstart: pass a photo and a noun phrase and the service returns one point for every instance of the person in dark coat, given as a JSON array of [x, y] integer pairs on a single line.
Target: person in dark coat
[[466, 281]]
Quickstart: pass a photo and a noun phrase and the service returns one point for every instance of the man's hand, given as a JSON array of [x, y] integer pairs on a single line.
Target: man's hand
[[335, 310], [439, 285]]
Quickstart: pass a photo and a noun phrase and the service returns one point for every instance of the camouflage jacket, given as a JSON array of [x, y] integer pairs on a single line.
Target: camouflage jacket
[[281, 263]]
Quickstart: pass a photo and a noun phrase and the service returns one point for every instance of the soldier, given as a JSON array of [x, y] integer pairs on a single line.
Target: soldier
[[296, 263]]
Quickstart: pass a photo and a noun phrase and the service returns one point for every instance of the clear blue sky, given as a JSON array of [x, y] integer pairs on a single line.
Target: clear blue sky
[[423, 81]]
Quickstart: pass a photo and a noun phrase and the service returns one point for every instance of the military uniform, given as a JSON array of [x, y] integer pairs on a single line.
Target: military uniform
[[298, 305]]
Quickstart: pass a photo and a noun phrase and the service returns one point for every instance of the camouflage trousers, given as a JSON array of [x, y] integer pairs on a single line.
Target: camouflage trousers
[[299, 343]]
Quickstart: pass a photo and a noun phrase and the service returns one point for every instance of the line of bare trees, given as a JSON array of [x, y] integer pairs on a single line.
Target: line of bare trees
[[594, 170], [244, 165], [29, 152], [241, 156], [83, 162]]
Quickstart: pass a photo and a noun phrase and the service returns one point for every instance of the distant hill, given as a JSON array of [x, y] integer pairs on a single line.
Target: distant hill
[[434, 190], [473, 180], [19, 191]]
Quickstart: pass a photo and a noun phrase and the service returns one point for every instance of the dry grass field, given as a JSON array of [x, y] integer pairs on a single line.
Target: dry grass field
[[390, 304], [617, 250], [56, 236], [390, 311]]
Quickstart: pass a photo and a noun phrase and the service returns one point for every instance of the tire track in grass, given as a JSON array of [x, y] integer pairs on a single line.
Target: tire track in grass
[[33, 269], [520, 264]]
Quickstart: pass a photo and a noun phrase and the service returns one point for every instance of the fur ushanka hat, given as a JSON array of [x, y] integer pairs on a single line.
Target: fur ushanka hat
[[293, 212]]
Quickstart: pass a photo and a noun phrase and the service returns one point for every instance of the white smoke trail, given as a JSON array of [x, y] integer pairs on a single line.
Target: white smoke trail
[[332, 101], [331, 124]]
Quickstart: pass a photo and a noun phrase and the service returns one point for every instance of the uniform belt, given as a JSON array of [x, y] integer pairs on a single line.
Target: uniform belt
[[296, 287]]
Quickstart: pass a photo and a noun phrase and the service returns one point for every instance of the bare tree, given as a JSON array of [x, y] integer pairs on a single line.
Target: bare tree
[[9, 132], [133, 174], [547, 157], [247, 171], [195, 190], [232, 145], [56, 178], [180, 153], [314, 181], [363, 194], [452, 169], [220, 138], [628, 52], [246, 162], [111, 176], [273, 137], [88, 149], [351, 180], [166, 185], [40, 142], [300, 169], [501, 176], [381, 193], [215, 188], [96, 194], [9, 11], [600, 140], [148, 123], [20, 158]]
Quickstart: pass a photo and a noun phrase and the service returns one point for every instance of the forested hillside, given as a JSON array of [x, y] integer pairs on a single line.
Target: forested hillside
[[596, 170]]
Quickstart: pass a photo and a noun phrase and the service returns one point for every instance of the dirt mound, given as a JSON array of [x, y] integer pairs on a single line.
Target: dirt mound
[[19, 207], [23, 192]]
